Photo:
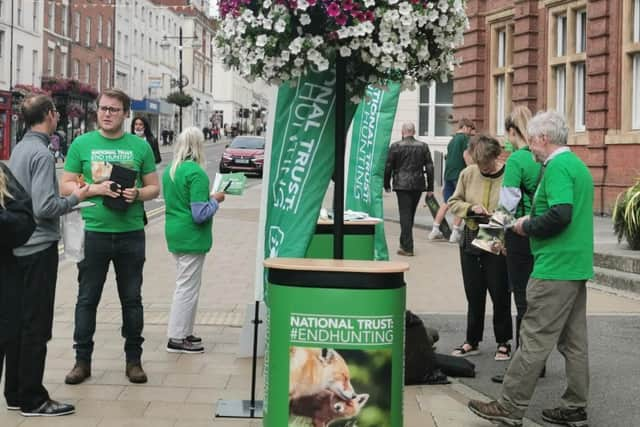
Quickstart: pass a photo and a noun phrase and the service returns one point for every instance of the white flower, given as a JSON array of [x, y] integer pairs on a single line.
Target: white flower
[[303, 5], [345, 52], [266, 4], [393, 1], [369, 3], [267, 23], [261, 40], [280, 26], [405, 8], [305, 19]]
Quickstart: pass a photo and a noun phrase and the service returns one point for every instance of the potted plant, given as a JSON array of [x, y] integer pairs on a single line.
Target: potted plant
[[626, 216], [180, 99]]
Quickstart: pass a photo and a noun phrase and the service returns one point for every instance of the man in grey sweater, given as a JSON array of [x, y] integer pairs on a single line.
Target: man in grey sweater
[[34, 167]]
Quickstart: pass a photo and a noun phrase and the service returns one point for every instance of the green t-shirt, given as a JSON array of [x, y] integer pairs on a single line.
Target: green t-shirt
[[455, 159], [522, 171], [190, 184], [568, 255], [93, 155]]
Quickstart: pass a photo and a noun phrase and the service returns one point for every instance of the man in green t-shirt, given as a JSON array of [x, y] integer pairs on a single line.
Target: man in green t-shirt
[[456, 161], [560, 228], [120, 170]]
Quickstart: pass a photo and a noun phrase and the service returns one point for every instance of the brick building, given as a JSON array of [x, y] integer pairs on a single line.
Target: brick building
[[56, 41], [91, 36], [577, 57]]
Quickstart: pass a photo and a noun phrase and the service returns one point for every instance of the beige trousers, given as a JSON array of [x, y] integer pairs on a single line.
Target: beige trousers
[[556, 315]]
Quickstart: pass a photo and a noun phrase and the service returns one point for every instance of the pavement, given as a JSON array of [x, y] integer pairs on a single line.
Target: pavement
[[183, 389]]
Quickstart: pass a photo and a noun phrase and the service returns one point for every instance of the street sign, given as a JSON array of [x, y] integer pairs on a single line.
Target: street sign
[[155, 82]]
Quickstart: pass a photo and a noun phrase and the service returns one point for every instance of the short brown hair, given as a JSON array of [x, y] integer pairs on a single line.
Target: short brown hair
[[35, 109], [117, 94], [484, 149], [466, 122]]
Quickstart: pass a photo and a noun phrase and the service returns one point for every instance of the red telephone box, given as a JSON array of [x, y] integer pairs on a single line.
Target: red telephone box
[[5, 125]]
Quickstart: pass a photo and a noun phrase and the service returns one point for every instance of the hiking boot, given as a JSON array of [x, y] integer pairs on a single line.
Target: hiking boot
[[80, 372], [494, 412], [193, 339], [435, 234], [566, 416], [184, 346], [405, 253], [135, 373], [50, 408]]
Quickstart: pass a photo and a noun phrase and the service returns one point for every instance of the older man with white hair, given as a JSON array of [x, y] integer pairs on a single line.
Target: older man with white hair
[[407, 163], [560, 228]]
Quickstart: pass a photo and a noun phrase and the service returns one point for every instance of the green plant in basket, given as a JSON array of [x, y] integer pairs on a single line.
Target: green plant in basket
[[626, 216]]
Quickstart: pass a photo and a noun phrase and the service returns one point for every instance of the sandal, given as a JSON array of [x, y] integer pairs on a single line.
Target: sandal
[[503, 352], [465, 350]]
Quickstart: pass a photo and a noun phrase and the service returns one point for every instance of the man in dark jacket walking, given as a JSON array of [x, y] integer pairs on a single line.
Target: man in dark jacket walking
[[407, 163]]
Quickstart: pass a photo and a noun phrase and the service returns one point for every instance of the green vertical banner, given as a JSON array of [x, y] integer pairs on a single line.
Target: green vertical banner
[[371, 135], [302, 159]]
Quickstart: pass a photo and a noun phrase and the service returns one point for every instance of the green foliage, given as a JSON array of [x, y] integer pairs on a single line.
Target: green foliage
[[180, 98], [626, 216]]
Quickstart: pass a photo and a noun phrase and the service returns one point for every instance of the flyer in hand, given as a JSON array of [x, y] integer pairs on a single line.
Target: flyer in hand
[[491, 236], [229, 183]]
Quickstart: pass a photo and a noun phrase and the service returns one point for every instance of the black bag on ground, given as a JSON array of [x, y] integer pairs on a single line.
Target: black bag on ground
[[419, 361], [455, 366]]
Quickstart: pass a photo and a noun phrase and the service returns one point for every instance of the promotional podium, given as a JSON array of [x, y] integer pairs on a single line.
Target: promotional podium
[[335, 341], [358, 240]]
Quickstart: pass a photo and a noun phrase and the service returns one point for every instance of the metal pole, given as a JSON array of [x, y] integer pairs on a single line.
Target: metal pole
[[180, 75], [338, 172], [11, 51]]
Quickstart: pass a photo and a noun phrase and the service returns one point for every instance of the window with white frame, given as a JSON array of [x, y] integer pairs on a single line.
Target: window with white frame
[[567, 63], [87, 73], [51, 62], [35, 9], [109, 30], [1, 44], [35, 78], [502, 75], [2, 8], [631, 65], [19, 63], [76, 27], [436, 109], [99, 30], [76, 69], [51, 16], [126, 46], [87, 31], [99, 75], [20, 13], [63, 64], [107, 72], [64, 12]]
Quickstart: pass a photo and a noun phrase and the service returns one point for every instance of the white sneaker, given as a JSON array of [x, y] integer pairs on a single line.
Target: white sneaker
[[455, 235], [435, 234]]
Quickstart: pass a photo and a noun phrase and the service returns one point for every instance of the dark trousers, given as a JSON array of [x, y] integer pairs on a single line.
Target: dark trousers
[[25, 355], [482, 273], [519, 267], [127, 252], [407, 204]]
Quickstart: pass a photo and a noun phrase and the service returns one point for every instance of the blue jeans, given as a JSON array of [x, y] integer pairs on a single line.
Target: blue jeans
[[127, 251]]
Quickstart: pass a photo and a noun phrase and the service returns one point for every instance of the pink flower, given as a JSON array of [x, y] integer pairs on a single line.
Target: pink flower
[[312, 2], [358, 15], [293, 4], [333, 9], [370, 16], [347, 4], [341, 19]]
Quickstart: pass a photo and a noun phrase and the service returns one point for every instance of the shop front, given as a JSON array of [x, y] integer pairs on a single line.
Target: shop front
[[6, 114], [150, 110]]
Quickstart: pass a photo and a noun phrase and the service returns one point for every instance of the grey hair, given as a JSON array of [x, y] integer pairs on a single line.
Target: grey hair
[[409, 127], [189, 147], [550, 124]]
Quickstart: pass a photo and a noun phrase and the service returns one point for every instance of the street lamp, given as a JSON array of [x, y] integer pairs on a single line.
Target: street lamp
[[182, 80]]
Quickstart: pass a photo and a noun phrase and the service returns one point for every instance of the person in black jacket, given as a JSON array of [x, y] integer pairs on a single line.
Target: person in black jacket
[[408, 161], [140, 127], [16, 226]]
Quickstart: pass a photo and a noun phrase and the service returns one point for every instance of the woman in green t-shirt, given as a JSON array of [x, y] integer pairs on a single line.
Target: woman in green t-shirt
[[188, 220]]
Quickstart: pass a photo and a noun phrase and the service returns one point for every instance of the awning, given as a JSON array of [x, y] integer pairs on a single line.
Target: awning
[[145, 106]]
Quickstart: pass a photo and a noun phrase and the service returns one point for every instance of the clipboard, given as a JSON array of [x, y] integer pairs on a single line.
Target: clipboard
[[125, 178]]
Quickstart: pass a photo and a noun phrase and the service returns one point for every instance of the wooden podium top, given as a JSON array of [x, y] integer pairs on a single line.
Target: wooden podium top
[[336, 265]]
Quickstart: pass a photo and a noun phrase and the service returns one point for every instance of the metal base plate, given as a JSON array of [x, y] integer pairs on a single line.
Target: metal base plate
[[239, 409]]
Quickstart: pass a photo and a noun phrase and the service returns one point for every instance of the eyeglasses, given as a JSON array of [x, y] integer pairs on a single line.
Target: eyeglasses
[[111, 110]]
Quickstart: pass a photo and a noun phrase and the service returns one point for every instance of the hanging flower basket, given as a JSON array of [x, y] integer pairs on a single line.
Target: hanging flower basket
[[626, 216], [180, 99], [21, 90], [401, 40], [71, 87]]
